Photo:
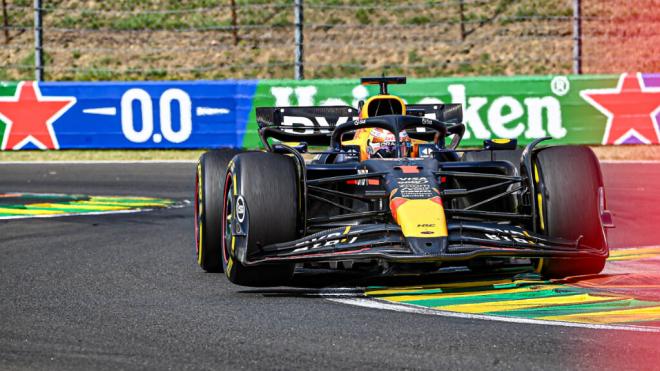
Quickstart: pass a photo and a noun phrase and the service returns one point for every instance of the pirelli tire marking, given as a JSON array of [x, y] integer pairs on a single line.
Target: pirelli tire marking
[[39, 205], [240, 209]]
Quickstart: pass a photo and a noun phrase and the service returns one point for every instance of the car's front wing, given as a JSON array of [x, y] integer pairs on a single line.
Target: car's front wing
[[465, 241]]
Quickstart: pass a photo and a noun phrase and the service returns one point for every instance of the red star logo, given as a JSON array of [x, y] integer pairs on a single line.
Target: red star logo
[[631, 109], [30, 116]]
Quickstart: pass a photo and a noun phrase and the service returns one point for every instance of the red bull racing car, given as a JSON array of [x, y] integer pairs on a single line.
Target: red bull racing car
[[392, 194]]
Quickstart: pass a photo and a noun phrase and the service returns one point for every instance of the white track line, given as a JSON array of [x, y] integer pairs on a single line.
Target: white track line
[[409, 308]]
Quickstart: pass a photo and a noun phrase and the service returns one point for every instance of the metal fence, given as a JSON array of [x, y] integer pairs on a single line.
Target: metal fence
[[208, 39]]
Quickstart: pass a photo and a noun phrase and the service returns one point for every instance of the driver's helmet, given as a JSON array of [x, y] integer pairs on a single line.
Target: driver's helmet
[[381, 143]]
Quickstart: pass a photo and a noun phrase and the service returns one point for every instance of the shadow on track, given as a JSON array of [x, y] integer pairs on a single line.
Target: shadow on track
[[312, 283]]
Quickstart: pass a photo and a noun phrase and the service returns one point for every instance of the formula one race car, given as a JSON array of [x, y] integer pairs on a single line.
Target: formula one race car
[[393, 195]]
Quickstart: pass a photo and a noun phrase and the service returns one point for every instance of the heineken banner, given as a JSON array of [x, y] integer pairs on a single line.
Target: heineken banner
[[591, 109]]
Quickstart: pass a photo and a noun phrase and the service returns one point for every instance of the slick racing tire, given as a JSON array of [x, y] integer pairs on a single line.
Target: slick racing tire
[[569, 188], [209, 190], [261, 192]]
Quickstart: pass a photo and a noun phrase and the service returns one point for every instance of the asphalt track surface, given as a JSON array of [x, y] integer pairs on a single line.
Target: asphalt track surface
[[124, 292]]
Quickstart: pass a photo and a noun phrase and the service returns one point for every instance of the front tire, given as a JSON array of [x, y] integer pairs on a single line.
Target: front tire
[[209, 190], [569, 187], [261, 191]]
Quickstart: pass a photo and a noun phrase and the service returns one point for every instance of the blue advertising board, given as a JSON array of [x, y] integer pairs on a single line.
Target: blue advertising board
[[70, 115]]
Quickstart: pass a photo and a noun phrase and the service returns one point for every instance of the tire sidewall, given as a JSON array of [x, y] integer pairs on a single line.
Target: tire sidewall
[[568, 179], [211, 166], [267, 185]]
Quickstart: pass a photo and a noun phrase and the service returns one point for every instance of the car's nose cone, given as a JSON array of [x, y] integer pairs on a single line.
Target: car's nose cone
[[427, 246]]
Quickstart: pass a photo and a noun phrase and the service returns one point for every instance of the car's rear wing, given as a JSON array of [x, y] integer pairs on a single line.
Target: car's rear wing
[[314, 124], [448, 113], [311, 124]]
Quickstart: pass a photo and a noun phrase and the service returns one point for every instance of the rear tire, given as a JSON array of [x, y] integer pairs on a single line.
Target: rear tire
[[268, 186], [209, 189], [569, 181]]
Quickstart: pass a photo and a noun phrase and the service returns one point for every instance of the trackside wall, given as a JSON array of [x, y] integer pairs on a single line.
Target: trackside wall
[[585, 109]]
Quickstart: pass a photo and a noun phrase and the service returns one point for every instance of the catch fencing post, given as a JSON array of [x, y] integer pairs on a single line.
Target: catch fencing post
[[298, 14], [461, 10], [5, 21], [38, 43], [234, 22], [577, 37]]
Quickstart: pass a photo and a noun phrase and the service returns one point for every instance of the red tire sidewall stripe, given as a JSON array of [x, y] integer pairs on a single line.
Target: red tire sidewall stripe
[[227, 190], [197, 221]]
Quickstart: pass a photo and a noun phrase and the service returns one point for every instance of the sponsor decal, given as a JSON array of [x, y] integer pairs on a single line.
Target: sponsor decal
[[240, 209], [306, 126], [632, 109], [365, 181], [509, 235], [415, 187], [29, 116], [560, 85], [327, 240]]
